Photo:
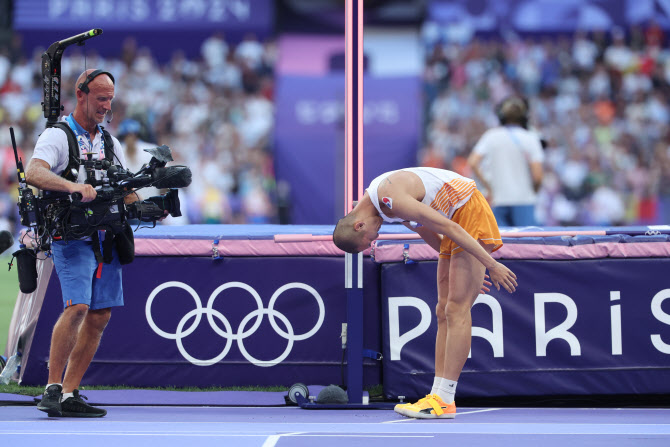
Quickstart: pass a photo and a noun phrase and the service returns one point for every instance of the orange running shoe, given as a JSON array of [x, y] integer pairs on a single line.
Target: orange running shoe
[[399, 407], [430, 407]]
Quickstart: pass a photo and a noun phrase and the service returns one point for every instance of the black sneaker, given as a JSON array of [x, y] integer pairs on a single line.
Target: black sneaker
[[75, 407], [50, 402]]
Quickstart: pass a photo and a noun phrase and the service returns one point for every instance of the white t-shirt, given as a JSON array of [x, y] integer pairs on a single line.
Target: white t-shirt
[[507, 152]]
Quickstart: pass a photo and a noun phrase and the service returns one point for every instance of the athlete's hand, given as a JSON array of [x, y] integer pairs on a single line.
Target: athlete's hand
[[501, 275], [486, 285]]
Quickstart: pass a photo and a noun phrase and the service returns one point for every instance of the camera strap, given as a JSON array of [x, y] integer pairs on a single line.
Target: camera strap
[[95, 237], [73, 157], [102, 249]]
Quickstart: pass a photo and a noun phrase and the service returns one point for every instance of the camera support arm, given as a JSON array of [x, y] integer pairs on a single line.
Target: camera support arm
[[51, 73]]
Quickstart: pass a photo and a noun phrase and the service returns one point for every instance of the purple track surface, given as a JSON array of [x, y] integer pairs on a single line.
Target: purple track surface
[[183, 398], [291, 426]]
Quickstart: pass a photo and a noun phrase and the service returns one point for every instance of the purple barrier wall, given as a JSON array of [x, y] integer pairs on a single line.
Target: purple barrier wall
[[309, 138], [572, 328], [272, 321]]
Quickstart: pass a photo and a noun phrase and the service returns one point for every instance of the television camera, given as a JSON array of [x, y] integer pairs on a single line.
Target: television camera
[[59, 216], [109, 209], [53, 216], [56, 215]]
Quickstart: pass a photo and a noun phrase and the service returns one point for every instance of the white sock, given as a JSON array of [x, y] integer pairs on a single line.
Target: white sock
[[446, 390], [66, 395], [436, 385]]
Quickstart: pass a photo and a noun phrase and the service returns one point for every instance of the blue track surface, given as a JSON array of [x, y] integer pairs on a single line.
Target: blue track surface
[[291, 426]]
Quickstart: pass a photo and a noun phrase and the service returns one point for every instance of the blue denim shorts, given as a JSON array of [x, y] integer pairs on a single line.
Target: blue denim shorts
[[77, 271]]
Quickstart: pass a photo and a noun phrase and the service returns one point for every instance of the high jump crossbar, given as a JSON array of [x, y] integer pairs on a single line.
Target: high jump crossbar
[[285, 238]]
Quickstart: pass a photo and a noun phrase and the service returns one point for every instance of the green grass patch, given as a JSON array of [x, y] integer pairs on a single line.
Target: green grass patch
[[9, 290]]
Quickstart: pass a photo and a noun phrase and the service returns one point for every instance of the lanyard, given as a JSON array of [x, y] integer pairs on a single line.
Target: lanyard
[[513, 136], [84, 138]]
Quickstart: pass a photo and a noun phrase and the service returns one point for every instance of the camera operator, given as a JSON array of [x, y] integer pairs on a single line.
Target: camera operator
[[507, 161], [90, 288]]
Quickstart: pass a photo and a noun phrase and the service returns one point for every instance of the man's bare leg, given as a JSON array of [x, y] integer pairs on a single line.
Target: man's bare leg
[[88, 341], [63, 340], [466, 277], [441, 314]]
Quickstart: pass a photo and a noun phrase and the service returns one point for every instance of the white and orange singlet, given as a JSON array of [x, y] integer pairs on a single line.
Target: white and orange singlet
[[454, 196]]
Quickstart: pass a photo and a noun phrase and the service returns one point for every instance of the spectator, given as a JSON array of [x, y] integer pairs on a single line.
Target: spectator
[[507, 161], [604, 107]]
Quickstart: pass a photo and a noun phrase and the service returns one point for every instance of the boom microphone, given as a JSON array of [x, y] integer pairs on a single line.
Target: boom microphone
[[79, 38], [172, 177], [6, 240]]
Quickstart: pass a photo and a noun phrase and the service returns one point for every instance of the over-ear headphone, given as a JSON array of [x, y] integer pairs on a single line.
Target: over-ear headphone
[[92, 75], [513, 110]]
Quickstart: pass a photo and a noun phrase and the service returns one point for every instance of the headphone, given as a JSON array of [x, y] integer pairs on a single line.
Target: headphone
[[92, 75], [513, 109]]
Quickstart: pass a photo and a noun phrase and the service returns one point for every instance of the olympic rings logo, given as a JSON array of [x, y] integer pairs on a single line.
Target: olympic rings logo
[[242, 331]]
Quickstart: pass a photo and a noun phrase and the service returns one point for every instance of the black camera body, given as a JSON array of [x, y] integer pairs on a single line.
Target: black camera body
[[59, 216], [109, 211]]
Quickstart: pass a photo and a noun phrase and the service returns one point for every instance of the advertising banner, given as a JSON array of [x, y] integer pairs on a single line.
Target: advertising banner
[[309, 138], [548, 15], [195, 321], [164, 26], [226, 15], [571, 328]]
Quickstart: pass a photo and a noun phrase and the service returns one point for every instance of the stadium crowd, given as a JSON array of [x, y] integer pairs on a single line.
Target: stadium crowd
[[599, 99], [216, 114]]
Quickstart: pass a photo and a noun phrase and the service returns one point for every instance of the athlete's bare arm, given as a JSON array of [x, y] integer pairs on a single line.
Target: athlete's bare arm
[[431, 238], [409, 208]]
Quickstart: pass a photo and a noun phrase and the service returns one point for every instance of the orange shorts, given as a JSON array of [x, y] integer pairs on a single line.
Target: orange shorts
[[477, 219]]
